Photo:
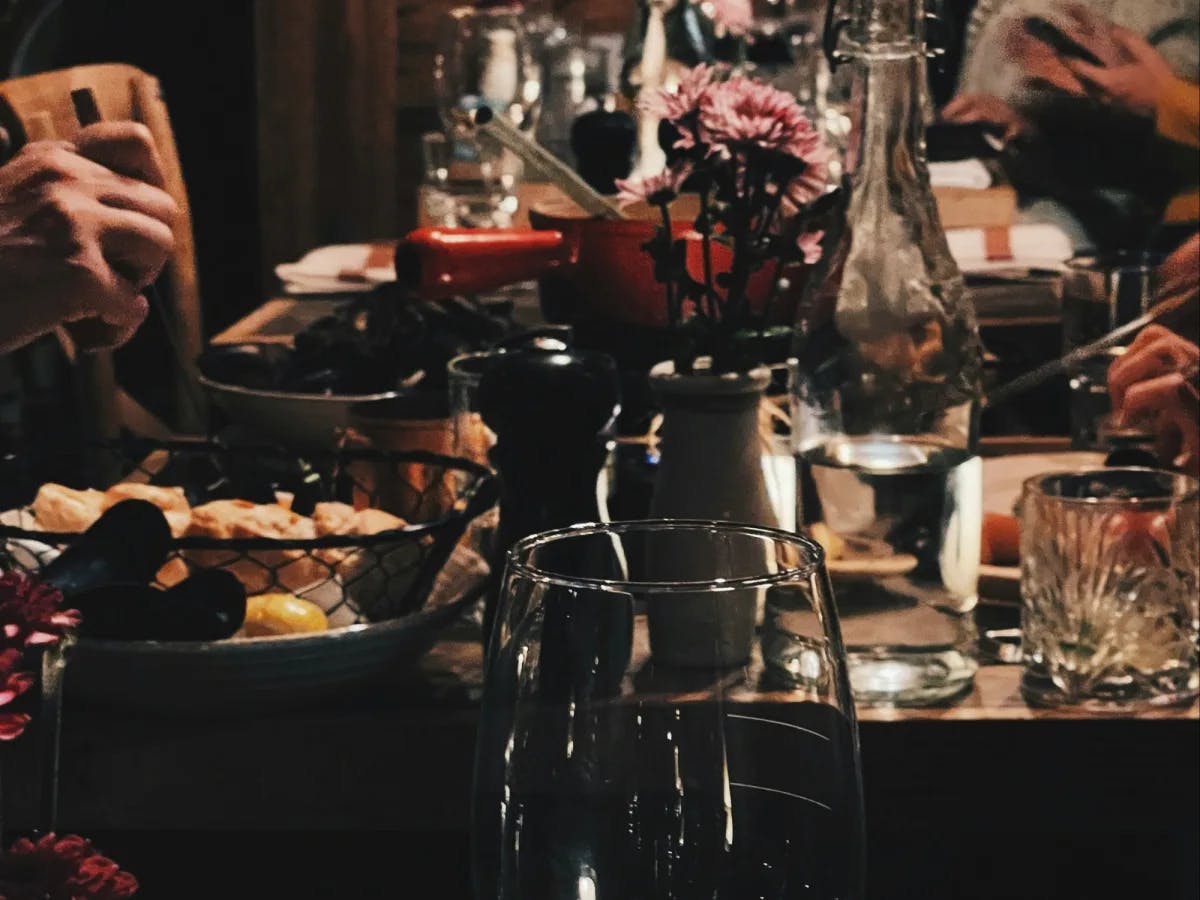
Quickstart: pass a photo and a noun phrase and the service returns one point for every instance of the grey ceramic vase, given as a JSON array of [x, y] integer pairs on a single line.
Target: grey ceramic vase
[[711, 467]]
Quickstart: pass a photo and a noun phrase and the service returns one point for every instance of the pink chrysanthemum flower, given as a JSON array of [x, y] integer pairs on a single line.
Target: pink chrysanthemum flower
[[809, 243], [813, 182], [653, 189], [741, 112], [675, 106], [733, 16], [66, 868]]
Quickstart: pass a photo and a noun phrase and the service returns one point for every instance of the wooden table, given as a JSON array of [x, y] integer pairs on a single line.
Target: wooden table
[[985, 781], [981, 798]]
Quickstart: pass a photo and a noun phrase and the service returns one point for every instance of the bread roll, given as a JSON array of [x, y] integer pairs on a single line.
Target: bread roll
[[261, 571], [332, 518], [168, 499], [63, 509]]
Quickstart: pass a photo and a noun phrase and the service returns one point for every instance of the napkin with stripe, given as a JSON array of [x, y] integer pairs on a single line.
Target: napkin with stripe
[[339, 269], [1033, 246]]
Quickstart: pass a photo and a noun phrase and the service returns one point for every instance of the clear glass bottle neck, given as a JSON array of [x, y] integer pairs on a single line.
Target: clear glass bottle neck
[[880, 24], [890, 107]]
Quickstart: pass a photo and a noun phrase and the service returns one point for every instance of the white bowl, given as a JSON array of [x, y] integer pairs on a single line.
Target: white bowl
[[301, 421]]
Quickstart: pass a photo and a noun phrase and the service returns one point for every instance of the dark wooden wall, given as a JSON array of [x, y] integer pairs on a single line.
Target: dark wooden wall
[[345, 88]]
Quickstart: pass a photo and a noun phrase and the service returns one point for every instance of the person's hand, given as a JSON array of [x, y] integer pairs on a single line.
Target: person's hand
[[1155, 381], [84, 228], [1132, 82], [989, 110]]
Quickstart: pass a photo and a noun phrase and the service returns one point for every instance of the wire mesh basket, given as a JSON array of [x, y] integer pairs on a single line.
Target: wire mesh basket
[[354, 578]]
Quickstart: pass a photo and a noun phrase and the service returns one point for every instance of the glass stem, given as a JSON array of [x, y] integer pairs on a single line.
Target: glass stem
[[54, 666]]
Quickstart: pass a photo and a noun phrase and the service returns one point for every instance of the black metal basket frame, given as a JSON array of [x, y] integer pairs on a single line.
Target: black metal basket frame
[[482, 481], [437, 537]]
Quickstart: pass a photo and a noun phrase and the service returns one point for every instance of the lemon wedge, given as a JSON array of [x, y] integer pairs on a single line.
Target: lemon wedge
[[274, 614]]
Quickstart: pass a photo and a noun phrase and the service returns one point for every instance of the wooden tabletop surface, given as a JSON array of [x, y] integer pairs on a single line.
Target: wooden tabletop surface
[[452, 670], [401, 755]]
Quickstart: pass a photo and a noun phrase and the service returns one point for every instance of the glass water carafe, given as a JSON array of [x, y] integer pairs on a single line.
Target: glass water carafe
[[886, 401]]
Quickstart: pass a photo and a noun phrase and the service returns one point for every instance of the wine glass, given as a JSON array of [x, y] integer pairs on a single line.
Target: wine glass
[[667, 715]]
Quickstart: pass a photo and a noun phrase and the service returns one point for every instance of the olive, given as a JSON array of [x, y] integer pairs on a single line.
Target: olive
[[128, 544], [208, 606]]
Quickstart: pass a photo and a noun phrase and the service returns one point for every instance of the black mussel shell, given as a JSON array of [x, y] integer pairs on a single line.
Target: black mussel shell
[[370, 345], [126, 545], [255, 366], [208, 606], [318, 381], [257, 479], [198, 473]]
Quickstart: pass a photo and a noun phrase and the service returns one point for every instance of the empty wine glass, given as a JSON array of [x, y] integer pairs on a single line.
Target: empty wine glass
[[667, 715]]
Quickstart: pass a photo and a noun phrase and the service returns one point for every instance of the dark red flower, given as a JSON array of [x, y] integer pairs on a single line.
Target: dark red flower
[[66, 868], [31, 615], [13, 725], [14, 682], [31, 612]]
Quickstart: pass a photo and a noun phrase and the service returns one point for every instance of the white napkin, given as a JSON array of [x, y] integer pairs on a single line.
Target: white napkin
[[337, 269], [961, 173], [1033, 246]]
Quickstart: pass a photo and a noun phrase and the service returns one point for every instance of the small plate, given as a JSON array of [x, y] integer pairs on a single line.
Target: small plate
[[1003, 478]]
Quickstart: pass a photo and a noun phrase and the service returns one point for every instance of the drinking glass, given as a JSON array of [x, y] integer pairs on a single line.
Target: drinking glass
[[485, 58], [1109, 580], [1100, 293], [463, 194], [470, 438], [634, 744]]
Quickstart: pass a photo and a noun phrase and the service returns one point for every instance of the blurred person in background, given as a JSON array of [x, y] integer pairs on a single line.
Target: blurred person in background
[[1097, 104]]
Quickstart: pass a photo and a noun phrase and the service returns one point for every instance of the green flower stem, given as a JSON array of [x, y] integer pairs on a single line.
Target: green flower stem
[[673, 310], [772, 297], [738, 302], [705, 222], [54, 666]]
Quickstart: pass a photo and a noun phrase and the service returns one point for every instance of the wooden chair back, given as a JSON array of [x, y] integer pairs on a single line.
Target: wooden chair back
[[39, 107]]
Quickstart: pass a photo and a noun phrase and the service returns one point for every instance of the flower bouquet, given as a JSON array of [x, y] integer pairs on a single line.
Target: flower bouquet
[[760, 171], [33, 620]]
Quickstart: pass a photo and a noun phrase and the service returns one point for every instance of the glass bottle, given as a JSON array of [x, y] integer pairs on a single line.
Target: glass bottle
[[886, 404]]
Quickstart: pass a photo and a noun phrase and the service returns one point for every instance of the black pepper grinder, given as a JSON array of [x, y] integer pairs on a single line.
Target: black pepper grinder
[[604, 142], [551, 412]]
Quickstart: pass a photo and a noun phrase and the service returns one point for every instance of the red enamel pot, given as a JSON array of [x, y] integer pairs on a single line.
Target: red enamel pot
[[588, 270]]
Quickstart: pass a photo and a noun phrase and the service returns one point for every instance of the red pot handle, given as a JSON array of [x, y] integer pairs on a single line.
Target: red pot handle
[[444, 262]]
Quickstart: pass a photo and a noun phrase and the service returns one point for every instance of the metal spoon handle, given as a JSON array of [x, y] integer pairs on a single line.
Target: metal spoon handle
[[1114, 338]]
